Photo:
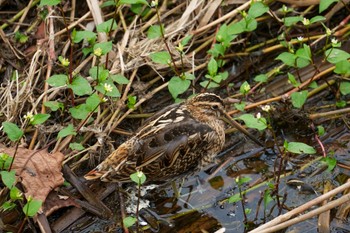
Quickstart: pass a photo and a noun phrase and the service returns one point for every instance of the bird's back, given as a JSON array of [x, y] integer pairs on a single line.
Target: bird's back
[[172, 143]]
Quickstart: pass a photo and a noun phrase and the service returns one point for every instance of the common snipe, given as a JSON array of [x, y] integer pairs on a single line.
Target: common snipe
[[181, 138]]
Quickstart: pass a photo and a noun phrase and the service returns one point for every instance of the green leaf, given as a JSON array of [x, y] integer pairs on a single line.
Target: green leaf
[[342, 67], [57, 80], [223, 75], [340, 104], [54, 105], [138, 177], [69, 130], [87, 50], [287, 58], [39, 119], [243, 180], [224, 37], [139, 9], [299, 148], [114, 93], [92, 102], [32, 207], [8, 205], [336, 55], [344, 88], [320, 130], [106, 47], [299, 98], [8, 178], [13, 132], [313, 85], [162, 57], [292, 80], [257, 9], [209, 84], [262, 78], [178, 86], [129, 221], [102, 74], [144, 2], [212, 67], [131, 101], [289, 21], [15, 194], [154, 32], [108, 3], [185, 40], [5, 161], [244, 88], [120, 79], [240, 106], [317, 18], [217, 78], [236, 28], [235, 198], [324, 4], [21, 38], [301, 62], [79, 112], [76, 146], [253, 122], [216, 50], [267, 198], [189, 76], [49, 2], [81, 35], [80, 86], [331, 162], [107, 26], [250, 23], [304, 52]]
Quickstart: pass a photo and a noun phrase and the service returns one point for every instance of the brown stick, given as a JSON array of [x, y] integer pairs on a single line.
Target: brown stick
[[304, 207]]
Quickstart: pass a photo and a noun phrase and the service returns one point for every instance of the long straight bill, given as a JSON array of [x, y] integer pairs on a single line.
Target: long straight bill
[[241, 128]]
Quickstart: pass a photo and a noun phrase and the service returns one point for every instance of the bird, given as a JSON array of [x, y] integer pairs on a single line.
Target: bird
[[178, 140]]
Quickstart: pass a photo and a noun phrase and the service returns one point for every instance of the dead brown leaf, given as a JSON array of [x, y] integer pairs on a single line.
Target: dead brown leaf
[[40, 171], [55, 202]]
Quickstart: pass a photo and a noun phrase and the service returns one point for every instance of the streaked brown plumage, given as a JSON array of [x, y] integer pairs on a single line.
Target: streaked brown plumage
[[180, 139]]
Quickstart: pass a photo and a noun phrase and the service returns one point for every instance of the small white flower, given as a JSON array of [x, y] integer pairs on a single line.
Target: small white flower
[[64, 61], [154, 3], [300, 38], [104, 100], [334, 41], [258, 115], [284, 9], [29, 116], [266, 108], [306, 22], [98, 52], [246, 88], [180, 48], [139, 174], [108, 87]]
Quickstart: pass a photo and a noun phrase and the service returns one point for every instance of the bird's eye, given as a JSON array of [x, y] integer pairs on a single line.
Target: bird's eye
[[215, 107]]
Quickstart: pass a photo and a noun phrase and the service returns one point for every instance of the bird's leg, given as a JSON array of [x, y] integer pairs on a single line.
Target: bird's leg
[[175, 189]]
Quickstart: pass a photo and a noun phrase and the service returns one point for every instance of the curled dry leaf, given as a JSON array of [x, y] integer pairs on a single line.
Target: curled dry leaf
[[39, 171], [54, 202]]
